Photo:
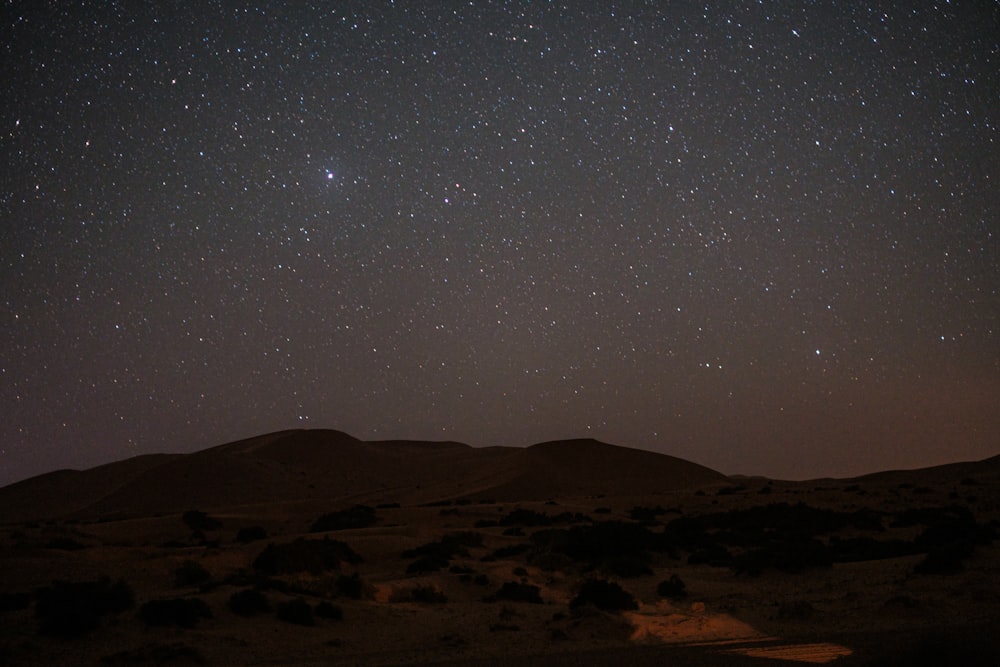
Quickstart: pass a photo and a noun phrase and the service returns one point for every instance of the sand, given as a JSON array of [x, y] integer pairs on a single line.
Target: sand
[[869, 611]]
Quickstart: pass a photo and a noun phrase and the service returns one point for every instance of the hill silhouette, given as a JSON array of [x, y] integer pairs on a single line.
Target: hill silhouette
[[304, 465]]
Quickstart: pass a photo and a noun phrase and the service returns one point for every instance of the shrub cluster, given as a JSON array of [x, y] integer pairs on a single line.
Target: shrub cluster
[[304, 555], [435, 556], [71, 609], [251, 534], [426, 593], [179, 612], [515, 591], [605, 595], [673, 588]]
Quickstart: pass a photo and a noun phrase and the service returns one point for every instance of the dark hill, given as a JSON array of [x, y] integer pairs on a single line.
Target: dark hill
[[303, 465]]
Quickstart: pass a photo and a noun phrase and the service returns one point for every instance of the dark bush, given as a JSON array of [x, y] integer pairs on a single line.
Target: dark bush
[[302, 555], [65, 544], [71, 609], [353, 586], [296, 611], [251, 534], [329, 611], [515, 591], [857, 549], [944, 559], [957, 530], [626, 566], [428, 594], [198, 521], [180, 612], [435, 556], [509, 551], [614, 544], [14, 601], [190, 573], [792, 557], [672, 589], [249, 602], [359, 516], [426, 564], [605, 595]]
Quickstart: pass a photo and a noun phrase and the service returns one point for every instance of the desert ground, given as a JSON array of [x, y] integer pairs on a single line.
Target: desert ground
[[310, 547]]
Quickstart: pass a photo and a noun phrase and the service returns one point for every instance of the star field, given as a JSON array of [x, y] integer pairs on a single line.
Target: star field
[[760, 236]]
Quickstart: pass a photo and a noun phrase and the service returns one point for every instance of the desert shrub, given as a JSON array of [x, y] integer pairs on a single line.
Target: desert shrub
[[71, 609], [329, 611], [425, 564], [713, 554], [198, 521], [954, 530], [353, 586], [303, 555], [428, 594], [945, 559], [449, 546], [435, 556], [507, 552], [864, 548], [425, 593], [440, 549], [790, 557], [359, 516], [249, 602], [605, 595], [190, 573], [296, 611], [550, 561], [672, 589], [64, 544], [180, 612], [610, 538], [515, 591], [626, 566], [14, 601], [474, 578], [757, 526], [251, 534]]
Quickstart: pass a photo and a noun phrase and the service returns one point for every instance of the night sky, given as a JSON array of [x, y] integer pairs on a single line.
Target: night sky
[[764, 237]]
